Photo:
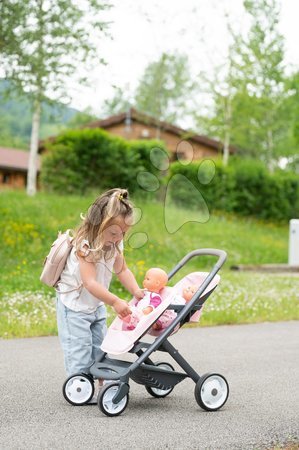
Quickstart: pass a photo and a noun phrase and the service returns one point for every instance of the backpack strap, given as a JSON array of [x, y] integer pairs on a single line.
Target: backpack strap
[[70, 233]]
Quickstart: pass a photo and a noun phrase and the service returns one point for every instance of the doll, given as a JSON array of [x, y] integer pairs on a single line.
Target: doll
[[188, 292], [186, 296], [169, 315], [154, 281]]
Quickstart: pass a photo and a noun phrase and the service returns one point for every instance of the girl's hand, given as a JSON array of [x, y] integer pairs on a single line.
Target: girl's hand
[[121, 308], [139, 294]]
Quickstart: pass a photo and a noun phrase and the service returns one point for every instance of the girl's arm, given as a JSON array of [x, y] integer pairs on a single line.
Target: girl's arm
[[126, 277], [88, 276]]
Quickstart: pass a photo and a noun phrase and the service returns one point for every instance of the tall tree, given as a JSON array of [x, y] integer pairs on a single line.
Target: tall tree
[[164, 91], [119, 102], [166, 87], [42, 44], [221, 86], [292, 106], [259, 103], [248, 92]]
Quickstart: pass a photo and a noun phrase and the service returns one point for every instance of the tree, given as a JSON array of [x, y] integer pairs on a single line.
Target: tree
[[259, 121], [118, 103], [165, 89], [292, 106], [248, 91], [222, 86], [42, 44]]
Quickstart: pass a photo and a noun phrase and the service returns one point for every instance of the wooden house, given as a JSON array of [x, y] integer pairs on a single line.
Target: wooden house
[[14, 167], [181, 143]]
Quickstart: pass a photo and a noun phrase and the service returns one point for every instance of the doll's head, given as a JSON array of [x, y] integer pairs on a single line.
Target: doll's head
[[155, 280], [189, 291]]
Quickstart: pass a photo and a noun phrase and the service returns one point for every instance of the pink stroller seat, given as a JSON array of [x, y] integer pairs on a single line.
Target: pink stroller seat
[[119, 340]]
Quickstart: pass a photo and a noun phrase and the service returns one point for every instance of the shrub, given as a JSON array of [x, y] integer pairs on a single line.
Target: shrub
[[80, 160], [245, 187], [153, 154], [218, 193]]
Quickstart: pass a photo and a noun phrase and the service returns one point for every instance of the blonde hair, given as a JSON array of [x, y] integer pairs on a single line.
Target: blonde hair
[[105, 209]]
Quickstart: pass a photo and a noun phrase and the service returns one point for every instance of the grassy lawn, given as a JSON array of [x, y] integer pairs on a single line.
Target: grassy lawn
[[29, 225]]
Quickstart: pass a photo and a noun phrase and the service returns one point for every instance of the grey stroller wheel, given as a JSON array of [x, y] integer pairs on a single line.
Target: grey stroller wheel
[[106, 404], [78, 389], [211, 391], [156, 392]]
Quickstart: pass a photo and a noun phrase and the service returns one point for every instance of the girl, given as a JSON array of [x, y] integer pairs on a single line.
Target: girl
[[84, 283]]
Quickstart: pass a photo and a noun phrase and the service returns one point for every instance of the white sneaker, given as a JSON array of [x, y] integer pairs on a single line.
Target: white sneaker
[[97, 388], [94, 398]]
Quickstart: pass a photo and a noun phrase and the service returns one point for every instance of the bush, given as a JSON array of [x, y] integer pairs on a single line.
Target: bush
[[245, 187], [80, 160], [218, 193]]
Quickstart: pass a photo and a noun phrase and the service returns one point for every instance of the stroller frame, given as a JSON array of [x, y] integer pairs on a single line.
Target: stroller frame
[[211, 390]]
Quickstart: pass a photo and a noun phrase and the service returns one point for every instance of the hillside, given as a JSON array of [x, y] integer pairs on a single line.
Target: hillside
[[15, 119]]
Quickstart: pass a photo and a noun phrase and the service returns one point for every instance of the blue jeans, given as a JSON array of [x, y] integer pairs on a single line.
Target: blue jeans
[[80, 335]]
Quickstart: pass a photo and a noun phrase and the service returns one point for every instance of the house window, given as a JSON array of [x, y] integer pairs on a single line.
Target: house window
[[6, 178], [145, 133]]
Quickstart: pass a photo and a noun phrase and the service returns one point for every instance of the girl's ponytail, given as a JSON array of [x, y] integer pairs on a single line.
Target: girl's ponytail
[[117, 204]]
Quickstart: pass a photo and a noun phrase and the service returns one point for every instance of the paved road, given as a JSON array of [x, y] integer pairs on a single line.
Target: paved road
[[261, 363]]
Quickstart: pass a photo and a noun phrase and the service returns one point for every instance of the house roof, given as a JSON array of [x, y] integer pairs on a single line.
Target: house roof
[[165, 126], [14, 159], [141, 117]]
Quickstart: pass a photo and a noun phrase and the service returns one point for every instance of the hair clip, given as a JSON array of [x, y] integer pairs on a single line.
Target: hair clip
[[120, 197]]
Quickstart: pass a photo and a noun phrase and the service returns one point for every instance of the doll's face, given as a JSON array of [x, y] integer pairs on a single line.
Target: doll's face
[[155, 280], [188, 292]]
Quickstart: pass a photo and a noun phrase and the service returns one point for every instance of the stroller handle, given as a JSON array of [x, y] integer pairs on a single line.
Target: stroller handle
[[222, 255]]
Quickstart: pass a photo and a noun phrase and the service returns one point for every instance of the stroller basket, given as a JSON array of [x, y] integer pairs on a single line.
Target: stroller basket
[[153, 376]]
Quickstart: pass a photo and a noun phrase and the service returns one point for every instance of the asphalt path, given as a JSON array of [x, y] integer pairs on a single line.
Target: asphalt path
[[260, 362]]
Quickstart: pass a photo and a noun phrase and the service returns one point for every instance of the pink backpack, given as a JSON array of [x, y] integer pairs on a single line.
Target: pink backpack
[[56, 260]]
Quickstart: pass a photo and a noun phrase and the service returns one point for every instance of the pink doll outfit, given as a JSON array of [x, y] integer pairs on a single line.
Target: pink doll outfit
[[150, 299], [168, 316]]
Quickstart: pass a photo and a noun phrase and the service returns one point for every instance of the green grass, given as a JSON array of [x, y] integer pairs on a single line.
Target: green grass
[[29, 225]]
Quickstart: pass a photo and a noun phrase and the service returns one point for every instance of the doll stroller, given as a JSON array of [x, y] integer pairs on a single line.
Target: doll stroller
[[211, 389]]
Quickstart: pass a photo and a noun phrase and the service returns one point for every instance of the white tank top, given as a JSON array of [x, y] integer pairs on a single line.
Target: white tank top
[[81, 299]]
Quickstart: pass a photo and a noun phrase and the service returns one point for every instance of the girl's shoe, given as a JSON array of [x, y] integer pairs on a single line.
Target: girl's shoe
[[97, 388], [94, 398]]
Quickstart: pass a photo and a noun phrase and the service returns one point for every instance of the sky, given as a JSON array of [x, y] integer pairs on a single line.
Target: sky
[[142, 29]]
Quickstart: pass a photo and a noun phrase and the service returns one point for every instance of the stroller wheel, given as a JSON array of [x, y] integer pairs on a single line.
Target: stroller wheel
[[211, 391], [105, 400], [78, 389], [156, 392]]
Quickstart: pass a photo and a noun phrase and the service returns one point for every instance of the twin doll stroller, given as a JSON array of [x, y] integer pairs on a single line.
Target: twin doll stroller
[[160, 378]]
